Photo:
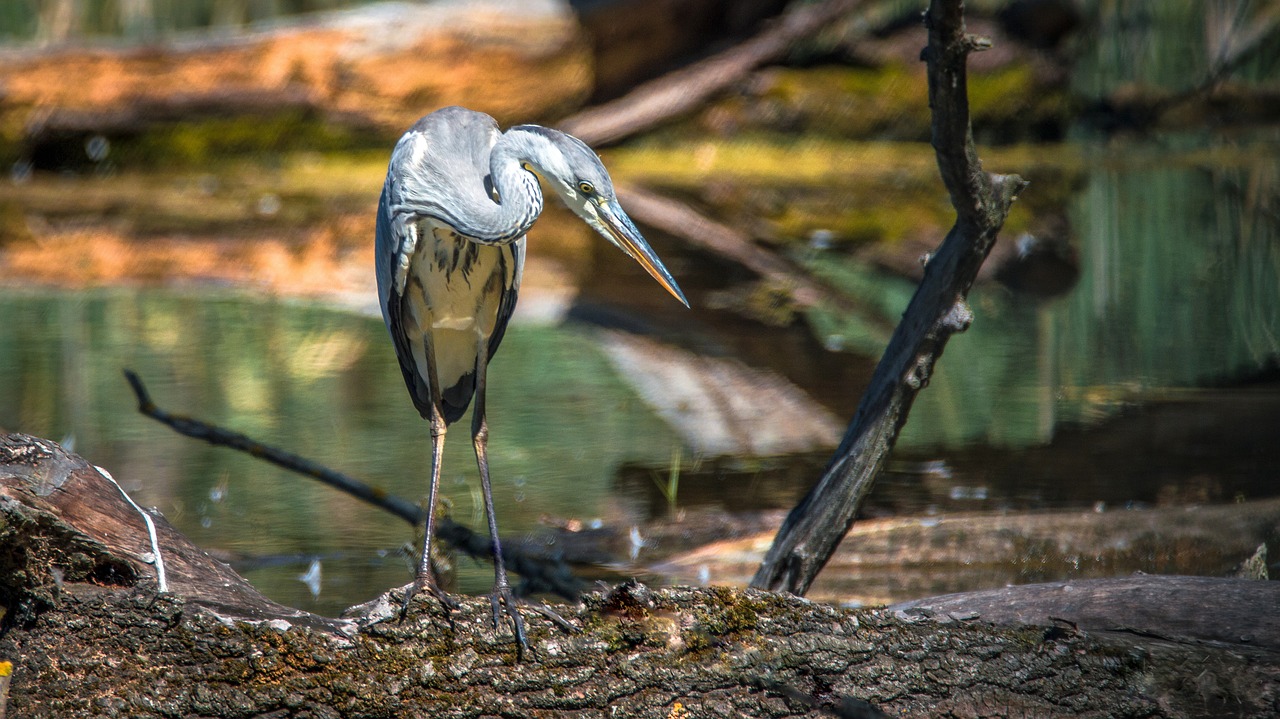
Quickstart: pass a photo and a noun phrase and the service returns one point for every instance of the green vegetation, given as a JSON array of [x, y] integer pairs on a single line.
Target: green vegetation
[[891, 102], [199, 142]]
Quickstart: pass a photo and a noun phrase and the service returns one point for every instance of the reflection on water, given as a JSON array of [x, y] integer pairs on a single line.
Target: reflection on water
[[1179, 287], [1135, 386], [323, 384], [1125, 390], [1093, 397]]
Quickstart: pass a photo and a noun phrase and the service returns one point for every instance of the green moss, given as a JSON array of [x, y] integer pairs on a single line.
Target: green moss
[[771, 160], [853, 102], [729, 613], [891, 102], [202, 141], [1014, 99]]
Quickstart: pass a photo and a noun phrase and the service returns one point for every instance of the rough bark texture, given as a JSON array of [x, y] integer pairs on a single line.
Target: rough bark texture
[[1228, 612], [88, 635], [815, 527]]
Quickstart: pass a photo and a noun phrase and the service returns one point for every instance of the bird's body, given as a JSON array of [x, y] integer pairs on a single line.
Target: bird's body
[[456, 317], [460, 290], [458, 200]]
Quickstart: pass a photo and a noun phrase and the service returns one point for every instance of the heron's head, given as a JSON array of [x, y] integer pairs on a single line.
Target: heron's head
[[574, 172]]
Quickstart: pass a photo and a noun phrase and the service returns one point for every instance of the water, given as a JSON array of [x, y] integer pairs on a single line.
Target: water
[[1149, 377], [324, 384], [1124, 390]]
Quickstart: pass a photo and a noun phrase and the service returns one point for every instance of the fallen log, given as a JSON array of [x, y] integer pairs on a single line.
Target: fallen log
[[371, 67], [1229, 612], [88, 634], [887, 560]]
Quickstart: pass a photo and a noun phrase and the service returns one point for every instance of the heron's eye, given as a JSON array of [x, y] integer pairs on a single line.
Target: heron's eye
[[586, 188]]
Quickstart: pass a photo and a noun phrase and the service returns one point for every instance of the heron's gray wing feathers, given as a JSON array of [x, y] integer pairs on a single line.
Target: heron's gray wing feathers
[[395, 242], [507, 305], [443, 163]]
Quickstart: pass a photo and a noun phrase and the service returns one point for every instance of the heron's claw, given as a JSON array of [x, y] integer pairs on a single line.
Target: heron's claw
[[503, 598], [428, 584]]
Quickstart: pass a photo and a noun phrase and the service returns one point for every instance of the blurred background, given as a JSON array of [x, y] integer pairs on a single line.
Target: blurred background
[[189, 190]]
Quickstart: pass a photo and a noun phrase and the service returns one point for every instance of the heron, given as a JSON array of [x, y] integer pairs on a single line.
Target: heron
[[458, 201]]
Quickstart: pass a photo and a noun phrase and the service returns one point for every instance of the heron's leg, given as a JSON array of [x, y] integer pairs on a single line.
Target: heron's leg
[[424, 577], [480, 438]]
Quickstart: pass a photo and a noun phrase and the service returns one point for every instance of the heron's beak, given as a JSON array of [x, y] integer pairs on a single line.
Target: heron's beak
[[618, 228]]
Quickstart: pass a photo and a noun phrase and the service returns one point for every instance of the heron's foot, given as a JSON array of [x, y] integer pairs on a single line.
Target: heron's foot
[[502, 598], [428, 584]]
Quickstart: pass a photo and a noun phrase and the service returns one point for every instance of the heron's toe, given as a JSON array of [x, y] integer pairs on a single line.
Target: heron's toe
[[501, 599], [427, 585]]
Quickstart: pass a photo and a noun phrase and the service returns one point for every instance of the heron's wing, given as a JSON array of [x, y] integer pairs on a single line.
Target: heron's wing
[[442, 164], [395, 242], [513, 265]]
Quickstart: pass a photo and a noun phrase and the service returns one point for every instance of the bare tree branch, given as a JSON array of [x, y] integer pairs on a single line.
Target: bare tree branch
[[816, 525], [539, 573], [680, 92], [680, 220]]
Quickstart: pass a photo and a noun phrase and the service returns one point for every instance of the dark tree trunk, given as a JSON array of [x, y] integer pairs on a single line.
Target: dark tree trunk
[[814, 528]]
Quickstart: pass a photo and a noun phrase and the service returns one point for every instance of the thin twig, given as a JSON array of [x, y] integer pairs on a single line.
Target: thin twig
[[541, 574], [162, 582]]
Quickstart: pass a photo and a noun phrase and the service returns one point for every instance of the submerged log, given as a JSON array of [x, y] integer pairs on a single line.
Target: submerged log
[[89, 634], [893, 559]]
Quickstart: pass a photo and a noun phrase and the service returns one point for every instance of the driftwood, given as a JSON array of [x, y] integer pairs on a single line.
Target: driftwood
[[89, 635], [938, 310]]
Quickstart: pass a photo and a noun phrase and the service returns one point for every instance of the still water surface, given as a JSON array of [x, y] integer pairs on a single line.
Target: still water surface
[[323, 384], [1152, 380]]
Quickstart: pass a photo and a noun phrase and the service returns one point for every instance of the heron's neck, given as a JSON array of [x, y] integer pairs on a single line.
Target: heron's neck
[[519, 197]]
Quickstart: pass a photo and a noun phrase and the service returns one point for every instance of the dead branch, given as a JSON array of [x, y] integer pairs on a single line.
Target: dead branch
[[680, 92], [679, 220], [540, 573], [814, 528]]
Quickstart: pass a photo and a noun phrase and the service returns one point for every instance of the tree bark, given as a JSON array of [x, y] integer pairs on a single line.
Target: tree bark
[[1227, 612], [814, 528], [89, 635]]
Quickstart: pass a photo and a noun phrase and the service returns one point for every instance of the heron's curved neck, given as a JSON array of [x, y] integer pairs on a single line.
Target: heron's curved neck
[[519, 197]]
